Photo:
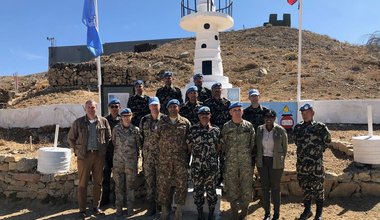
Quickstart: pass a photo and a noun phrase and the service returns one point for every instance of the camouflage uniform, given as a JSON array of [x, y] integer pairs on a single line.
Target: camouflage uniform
[[255, 115], [165, 94], [203, 93], [204, 164], [173, 159], [311, 140], [238, 145], [109, 161], [219, 115], [127, 142], [189, 111], [139, 106], [148, 127]]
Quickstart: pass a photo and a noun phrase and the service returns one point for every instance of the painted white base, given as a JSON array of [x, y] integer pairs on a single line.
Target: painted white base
[[366, 149]]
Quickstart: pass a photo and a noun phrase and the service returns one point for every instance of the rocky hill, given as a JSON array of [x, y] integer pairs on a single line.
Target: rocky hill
[[263, 58]]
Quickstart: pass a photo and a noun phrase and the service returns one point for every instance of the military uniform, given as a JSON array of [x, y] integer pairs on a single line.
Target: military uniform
[[238, 146], [139, 106], [127, 143], [311, 140], [189, 111], [173, 159], [203, 93], [255, 115], [165, 94], [204, 164], [148, 128], [109, 161]]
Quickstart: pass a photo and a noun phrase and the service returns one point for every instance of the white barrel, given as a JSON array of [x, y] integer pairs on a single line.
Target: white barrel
[[366, 149], [53, 160]]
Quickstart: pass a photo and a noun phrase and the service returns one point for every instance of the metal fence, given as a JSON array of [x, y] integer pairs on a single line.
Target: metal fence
[[190, 6]]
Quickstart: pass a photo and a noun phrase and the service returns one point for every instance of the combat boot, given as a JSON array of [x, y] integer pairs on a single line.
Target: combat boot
[[151, 208], [178, 213], [200, 213], [307, 211], [164, 213], [318, 212], [211, 212]]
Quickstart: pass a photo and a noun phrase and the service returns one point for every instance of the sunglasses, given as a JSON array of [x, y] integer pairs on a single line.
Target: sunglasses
[[114, 106]]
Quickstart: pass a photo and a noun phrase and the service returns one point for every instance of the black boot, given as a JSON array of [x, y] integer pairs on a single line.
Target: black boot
[[307, 211], [200, 213], [318, 213], [211, 213], [151, 208]]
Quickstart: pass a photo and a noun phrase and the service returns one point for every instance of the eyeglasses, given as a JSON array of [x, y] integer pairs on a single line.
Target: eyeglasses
[[114, 106]]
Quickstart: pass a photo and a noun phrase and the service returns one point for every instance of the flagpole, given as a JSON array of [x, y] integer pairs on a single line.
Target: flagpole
[[299, 50], [98, 68]]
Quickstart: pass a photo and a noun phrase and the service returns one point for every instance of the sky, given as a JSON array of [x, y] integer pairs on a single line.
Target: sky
[[26, 24]]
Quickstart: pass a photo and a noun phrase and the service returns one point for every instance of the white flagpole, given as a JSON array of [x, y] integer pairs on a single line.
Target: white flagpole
[[299, 50], [98, 68]]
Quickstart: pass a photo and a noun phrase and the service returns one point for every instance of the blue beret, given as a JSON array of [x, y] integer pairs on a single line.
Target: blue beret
[[198, 75], [204, 110], [113, 102], [173, 101], [192, 89], [216, 85], [305, 107], [126, 111], [154, 100], [167, 74], [235, 104], [253, 92], [138, 82]]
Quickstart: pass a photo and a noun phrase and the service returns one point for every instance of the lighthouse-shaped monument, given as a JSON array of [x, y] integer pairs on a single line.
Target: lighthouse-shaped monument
[[207, 19]]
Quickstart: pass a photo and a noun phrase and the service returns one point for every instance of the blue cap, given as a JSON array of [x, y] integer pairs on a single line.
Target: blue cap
[[253, 92], [305, 107], [216, 85], [126, 111], [235, 104], [154, 101], [138, 82], [173, 101], [113, 102], [192, 89], [167, 74], [198, 75], [204, 110]]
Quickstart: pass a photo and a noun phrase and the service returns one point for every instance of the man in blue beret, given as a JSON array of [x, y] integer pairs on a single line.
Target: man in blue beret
[[255, 112], [138, 103], [203, 92], [172, 131], [238, 137], [190, 108], [168, 91], [113, 119], [204, 144], [311, 139]]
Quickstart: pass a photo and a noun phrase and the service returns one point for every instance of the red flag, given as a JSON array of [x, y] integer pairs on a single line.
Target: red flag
[[292, 2]]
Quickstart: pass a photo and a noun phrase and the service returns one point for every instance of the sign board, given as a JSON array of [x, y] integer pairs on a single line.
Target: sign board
[[121, 92]]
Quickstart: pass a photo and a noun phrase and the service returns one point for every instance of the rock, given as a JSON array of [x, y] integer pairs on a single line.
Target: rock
[[295, 189], [157, 65], [363, 176], [345, 189], [28, 177], [375, 176], [345, 177], [370, 189], [4, 167], [26, 164], [284, 190], [184, 55], [262, 72]]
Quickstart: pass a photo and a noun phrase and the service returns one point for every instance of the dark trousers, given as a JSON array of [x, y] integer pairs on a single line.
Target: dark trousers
[[107, 174], [270, 183], [92, 164]]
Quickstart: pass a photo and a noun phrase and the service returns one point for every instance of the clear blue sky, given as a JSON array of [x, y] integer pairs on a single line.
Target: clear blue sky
[[25, 24]]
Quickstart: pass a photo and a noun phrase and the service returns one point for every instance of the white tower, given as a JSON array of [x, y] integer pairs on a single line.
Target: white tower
[[207, 20]]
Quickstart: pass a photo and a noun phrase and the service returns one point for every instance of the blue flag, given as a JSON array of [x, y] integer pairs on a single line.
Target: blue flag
[[94, 43]]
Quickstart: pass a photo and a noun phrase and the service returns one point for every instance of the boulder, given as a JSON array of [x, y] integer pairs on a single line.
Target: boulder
[[344, 190], [370, 189]]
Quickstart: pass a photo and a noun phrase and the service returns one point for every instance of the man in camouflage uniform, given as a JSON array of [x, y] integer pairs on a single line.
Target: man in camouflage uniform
[[168, 91], [138, 103], [203, 92], [172, 131], [255, 112], [220, 115], [204, 144], [113, 119], [190, 108], [148, 128], [127, 141], [238, 144], [311, 138]]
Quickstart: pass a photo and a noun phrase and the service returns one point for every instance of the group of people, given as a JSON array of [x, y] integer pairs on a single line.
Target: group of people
[[221, 141]]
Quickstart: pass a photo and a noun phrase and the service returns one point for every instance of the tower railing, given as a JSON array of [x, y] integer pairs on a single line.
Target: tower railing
[[190, 6]]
